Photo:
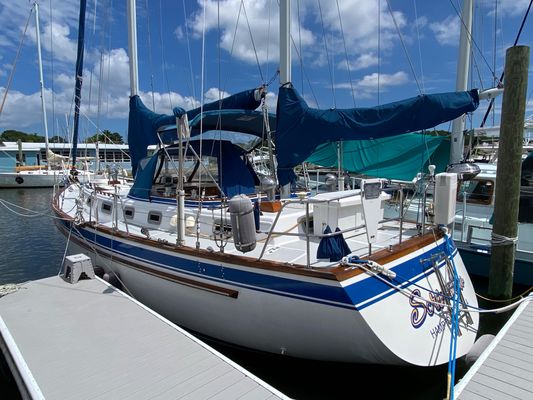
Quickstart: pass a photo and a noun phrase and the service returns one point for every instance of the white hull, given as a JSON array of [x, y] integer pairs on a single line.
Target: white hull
[[274, 318], [40, 178], [31, 179]]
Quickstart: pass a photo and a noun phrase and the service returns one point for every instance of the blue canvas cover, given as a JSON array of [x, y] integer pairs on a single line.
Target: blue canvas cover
[[399, 157], [144, 123], [235, 175], [145, 174], [301, 129]]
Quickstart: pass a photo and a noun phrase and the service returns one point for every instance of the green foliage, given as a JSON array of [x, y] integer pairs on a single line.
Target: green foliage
[[57, 139], [11, 135], [106, 137]]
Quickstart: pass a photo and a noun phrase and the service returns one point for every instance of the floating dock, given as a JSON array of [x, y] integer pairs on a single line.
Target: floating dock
[[505, 369], [88, 340]]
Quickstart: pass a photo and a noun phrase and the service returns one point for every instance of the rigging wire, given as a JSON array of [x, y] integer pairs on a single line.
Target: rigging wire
[[9, 80], [346, 54], [220, 245], [188, 49], [489, 108], [201, 128], [474, 43], [52, 67], [404, 47], [327, 55], [419, 47], [253, 43], [150, 60], [163, 63], [300, 45], [379, 49], [268, 39]]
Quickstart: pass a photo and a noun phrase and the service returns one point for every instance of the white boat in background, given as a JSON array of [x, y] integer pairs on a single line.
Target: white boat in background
[[35, 173], [325, 277]]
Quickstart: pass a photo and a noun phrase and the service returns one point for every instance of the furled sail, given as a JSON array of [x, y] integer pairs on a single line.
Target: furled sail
[[300, 128]]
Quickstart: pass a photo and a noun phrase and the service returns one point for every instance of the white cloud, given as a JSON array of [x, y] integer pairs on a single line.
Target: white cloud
[[360, 24], [263, 18], [369, 85], [214, 94], [178, 32], [363, 61], [58, 36], [447, 31], [509, 7], [374, 80]]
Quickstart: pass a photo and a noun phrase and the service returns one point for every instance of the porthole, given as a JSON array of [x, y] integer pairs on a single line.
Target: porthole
[[129, 212], [107, 207], [154, 217]]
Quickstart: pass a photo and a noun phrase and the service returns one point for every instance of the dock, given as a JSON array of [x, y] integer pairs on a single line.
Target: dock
[[88, 340], [505, 369]]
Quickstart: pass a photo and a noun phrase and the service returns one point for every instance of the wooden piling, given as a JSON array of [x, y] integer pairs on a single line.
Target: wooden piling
[[505, 226]]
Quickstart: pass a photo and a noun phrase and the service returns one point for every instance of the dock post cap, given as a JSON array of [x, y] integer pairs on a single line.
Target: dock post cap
[[76, 265]]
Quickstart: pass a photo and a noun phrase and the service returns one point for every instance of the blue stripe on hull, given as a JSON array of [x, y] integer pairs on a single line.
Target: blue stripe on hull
[[354, 296]]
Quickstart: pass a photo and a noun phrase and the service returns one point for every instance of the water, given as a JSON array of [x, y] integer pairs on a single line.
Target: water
[[33, 248]]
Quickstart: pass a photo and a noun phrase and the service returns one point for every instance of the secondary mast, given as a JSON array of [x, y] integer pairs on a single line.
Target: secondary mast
[[463, 66], [41, 81], [79, 75]]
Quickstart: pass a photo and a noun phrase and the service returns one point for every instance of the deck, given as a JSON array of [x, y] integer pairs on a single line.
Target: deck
[[90, 341], [505, 369]]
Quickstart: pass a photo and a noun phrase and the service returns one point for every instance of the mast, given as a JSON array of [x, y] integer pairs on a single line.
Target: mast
[[284, 59], [463, 66], [132, 44], [285, 42], [41, 81], [79, 75]]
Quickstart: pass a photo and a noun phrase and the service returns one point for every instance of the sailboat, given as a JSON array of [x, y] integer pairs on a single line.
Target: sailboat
[[35, 175], [203, 241]]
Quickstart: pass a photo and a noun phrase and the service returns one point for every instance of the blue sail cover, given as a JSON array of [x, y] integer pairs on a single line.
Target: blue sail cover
[[399, 157], [144, 123], [301, 129]]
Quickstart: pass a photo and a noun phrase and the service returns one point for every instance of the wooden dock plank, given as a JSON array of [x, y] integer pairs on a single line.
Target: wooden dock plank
[[485, 392], [505, 369], [235, 391], [89, 341]]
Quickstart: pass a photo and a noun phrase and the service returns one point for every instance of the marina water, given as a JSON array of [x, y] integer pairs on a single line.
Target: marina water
[[33, 248]]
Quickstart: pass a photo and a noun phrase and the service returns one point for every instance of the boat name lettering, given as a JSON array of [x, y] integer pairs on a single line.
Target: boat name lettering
[[424, 308], [435, 332]]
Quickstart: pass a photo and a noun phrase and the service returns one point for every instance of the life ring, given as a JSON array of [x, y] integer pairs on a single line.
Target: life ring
[[19, 180]]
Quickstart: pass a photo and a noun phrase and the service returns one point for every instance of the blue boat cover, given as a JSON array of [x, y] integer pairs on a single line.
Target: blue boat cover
[[144, 123], [235, 174], [399, 157], [301, 129], [145, 175]]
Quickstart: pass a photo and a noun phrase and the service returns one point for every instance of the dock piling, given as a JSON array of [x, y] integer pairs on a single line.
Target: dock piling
[[505, 226]]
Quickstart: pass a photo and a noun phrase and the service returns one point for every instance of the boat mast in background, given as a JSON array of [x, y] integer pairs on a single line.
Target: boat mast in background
[[463, 66], [41, 80], [79, 74], [132, 44]]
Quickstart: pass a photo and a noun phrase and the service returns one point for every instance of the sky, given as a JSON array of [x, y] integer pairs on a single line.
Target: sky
[[345, 53]]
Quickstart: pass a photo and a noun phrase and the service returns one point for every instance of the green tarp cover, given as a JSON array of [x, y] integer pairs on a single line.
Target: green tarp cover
[[396, 157]]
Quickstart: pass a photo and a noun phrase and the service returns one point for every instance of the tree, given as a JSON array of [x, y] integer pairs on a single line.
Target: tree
[[106, 137], [11, 135], [57, 139]]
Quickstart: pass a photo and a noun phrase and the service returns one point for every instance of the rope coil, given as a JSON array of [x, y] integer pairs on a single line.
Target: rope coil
[[501, 240]]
